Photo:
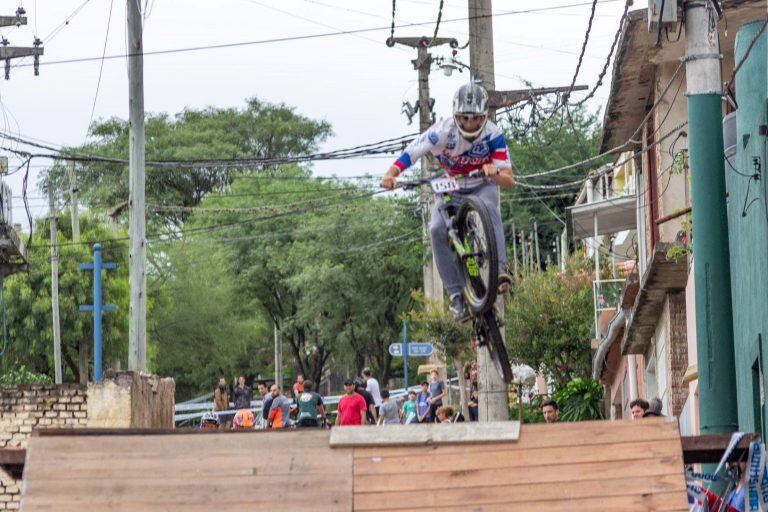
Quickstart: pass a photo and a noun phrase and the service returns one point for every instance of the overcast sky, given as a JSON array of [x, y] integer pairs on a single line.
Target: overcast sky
[[355, 82]]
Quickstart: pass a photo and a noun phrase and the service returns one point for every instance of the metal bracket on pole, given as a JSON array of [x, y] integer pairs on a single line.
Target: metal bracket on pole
[[97, 307]]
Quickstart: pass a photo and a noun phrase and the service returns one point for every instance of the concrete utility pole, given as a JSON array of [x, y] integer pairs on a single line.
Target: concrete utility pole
[[536, 241], [278, 359], [73, 206], [55, 287], [433, 285], [714, 316], [492, 390], [73, 202], [137, 325]]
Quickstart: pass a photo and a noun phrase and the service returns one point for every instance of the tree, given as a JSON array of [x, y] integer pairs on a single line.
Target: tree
[[548, 144], [28, 300], [259, 130], [549, 318], [580, 400]]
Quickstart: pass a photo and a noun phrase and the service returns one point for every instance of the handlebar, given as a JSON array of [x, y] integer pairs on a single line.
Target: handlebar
[[411, 184]]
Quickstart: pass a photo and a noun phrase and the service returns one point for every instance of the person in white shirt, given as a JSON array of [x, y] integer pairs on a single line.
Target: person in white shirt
[[372, 386]]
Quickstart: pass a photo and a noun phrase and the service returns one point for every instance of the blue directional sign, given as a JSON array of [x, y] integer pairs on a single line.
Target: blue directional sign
[[420, 349], [414, 349]]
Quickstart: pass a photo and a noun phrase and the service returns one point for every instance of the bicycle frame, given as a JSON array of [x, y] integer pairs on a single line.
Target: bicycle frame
[[447, 211]]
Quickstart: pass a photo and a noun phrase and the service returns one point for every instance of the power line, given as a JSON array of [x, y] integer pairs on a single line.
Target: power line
[[101, 66], [298, 37]]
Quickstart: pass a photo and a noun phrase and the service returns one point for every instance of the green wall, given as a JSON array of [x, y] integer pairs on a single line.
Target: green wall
[[748, 233]]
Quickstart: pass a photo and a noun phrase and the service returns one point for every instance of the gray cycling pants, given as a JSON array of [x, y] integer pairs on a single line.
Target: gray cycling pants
[[488, 193]]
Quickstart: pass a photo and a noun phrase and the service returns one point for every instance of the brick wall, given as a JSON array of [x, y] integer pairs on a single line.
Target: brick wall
[[677, 353], [25, 408]]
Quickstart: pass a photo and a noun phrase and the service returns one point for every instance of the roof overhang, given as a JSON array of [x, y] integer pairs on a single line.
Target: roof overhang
[[662, 276], [613, 215], [637, 58]]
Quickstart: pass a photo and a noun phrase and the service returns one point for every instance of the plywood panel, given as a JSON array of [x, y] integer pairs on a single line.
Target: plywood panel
[[219, 472]]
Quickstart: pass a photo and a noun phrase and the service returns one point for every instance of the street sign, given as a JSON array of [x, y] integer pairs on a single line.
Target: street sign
[[414, 349], [420, 349]]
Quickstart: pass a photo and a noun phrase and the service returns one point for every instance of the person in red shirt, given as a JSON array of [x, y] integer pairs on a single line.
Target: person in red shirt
[[351, 409]]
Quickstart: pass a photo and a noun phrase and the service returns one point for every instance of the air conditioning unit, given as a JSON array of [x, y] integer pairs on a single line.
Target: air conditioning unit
[[661, 11]]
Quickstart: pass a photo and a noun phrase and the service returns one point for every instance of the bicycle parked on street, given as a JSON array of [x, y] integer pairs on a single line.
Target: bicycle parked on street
[[470, 231]]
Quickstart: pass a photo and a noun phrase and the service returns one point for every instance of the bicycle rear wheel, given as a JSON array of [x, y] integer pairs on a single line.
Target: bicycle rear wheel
[[494, 342], [480, 270]]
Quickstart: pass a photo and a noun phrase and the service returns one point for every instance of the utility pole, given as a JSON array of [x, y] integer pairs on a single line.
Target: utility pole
[[55, 287], [278, 359], [524, 252], [137, 324], [513, 237], [714, 316], [73, 206], [433, 285], [16, 52], [536, 241], [73, 202]]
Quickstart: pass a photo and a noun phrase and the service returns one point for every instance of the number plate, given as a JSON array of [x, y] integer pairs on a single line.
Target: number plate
[[443, 185]]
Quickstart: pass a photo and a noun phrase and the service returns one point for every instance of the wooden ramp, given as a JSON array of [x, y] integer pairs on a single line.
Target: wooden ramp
[[616, 466]]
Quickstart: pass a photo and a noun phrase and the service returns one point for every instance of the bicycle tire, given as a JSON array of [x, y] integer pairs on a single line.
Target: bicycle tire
[[496, 348], [479, 290]]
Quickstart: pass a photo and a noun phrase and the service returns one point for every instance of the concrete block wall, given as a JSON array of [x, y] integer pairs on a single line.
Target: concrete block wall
[[24, 408], [677, 352]]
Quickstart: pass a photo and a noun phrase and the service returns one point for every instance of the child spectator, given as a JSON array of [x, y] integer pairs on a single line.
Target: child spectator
[[422, 403], [408, 412], [389, 411], [444, 414]]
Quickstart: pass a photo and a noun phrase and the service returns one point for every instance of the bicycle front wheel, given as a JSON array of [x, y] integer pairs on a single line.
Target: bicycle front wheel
[[480, 267]]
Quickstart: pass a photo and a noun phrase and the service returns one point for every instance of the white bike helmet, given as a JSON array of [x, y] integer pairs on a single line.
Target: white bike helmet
[[209, 417], [470, 103]]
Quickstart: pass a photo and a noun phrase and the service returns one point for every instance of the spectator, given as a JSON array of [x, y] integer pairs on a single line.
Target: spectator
[[437, 391], [372, 386], [389, 412], [241, 395], [422, 403], [243, 420], [473, 405], [444, 414], [298, 386], [352, 408], [408, 412], [280, 410], [266, 403], [209, 421], [221, 396], [373, 415], [638, 407], [654, 408], [551, 411], [310, 405]]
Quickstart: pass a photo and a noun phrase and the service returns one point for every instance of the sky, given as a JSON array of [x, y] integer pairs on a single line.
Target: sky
[[353, 81]]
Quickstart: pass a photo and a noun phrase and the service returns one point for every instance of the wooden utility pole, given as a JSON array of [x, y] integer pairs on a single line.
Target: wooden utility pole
[[137, 325], [55, 287], [524, 251]]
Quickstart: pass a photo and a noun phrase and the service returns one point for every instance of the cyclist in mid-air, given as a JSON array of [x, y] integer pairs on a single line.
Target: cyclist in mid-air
[[464, 143]]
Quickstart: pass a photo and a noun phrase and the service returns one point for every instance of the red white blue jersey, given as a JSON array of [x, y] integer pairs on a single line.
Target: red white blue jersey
[[454, 153]]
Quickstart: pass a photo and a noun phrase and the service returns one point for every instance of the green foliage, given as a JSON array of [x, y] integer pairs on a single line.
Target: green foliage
[[580, 400], [550, 144], [259, 130], [432, 321], [28, 299], [22, 375], [549, 318]]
